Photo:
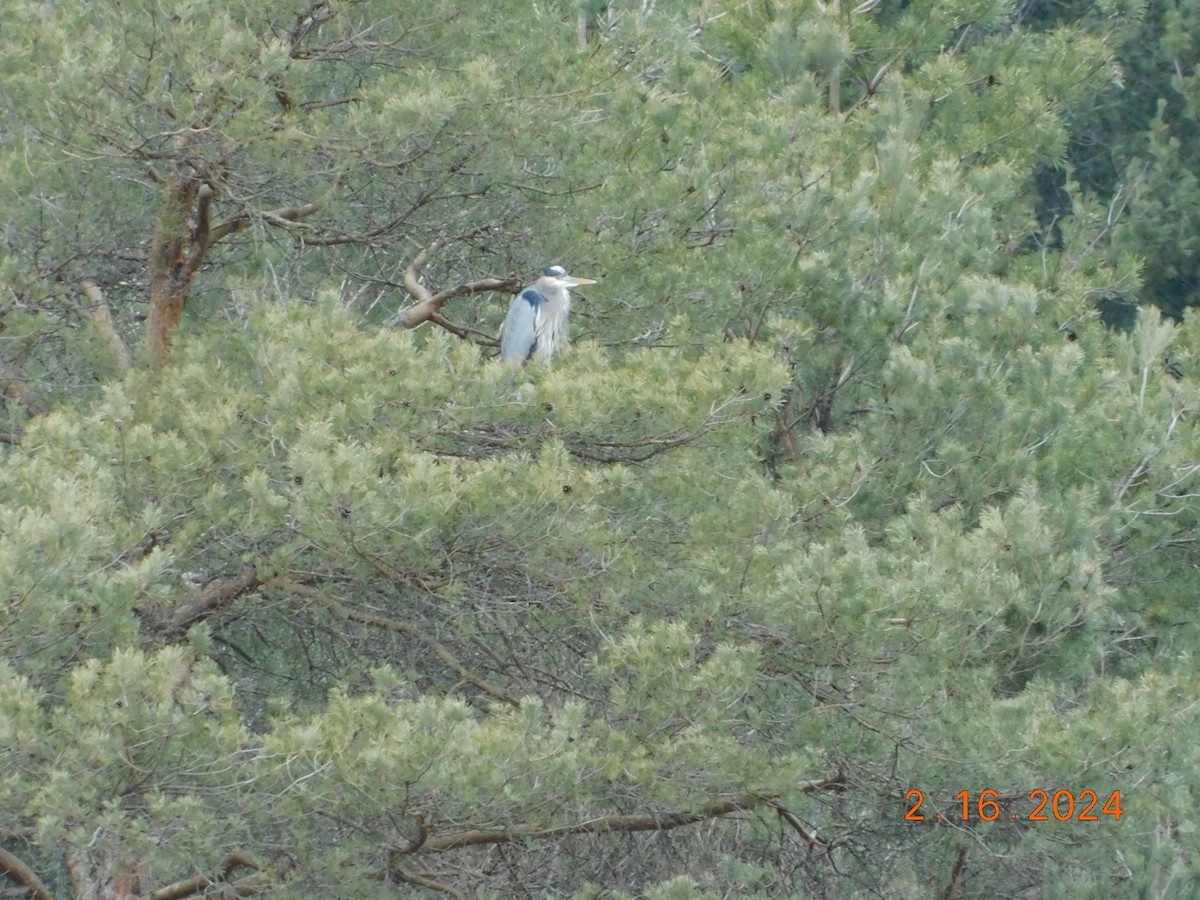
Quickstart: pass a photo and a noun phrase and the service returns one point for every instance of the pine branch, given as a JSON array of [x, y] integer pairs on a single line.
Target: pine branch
[[467, 334], [399, 626], [621, 823]]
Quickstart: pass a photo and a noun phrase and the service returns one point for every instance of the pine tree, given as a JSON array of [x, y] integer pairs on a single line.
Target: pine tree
[[842, 493]]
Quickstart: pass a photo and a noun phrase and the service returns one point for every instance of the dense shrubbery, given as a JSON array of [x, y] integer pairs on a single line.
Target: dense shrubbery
[[843, 491]]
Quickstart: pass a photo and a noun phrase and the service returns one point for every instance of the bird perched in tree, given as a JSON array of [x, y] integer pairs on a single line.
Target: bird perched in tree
[[537, 319]]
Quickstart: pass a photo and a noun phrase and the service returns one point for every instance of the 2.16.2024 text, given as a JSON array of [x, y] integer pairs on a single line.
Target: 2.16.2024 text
[[986, 806]]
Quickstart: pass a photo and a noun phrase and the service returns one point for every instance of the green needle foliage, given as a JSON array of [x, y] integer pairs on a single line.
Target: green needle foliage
[[843, 491]]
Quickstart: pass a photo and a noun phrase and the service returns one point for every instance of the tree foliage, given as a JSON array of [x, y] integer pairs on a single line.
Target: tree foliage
[[843, 491]]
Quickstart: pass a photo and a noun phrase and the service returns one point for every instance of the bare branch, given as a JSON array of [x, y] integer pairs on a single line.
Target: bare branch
[[621, 823], [202, 232], [424, 881], [953, 886], [282, 217], [396, 625], [442, 322], [425, 311], [101, 318], [428, 305], [19, 872], [646, 448], [412, 274], [308, 22], [189, 887], [474, 335], [810, 835], [172, 624]]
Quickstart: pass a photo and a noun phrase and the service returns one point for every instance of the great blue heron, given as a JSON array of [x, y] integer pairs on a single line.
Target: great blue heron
[[537, 319]]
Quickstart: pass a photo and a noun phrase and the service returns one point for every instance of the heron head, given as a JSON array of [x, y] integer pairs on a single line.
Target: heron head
[[559, 275]]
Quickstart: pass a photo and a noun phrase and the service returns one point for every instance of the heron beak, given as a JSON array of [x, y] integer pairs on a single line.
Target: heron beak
[[572, 281]]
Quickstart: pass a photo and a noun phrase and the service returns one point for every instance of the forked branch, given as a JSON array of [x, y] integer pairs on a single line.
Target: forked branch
[[428, 305]]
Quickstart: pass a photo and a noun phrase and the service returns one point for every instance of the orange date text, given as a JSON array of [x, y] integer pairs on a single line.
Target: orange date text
[[989, 806]]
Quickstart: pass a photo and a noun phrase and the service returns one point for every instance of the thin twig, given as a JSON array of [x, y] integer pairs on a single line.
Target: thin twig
[[396, 625]]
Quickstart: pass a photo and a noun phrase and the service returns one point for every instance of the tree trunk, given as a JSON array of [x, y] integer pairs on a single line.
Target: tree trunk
[[181, 237]]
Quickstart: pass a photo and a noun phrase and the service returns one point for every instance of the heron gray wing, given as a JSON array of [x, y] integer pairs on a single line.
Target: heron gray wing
[[518, 337]]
